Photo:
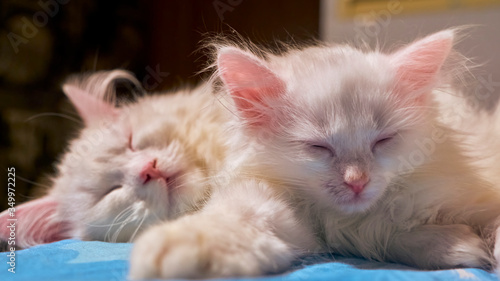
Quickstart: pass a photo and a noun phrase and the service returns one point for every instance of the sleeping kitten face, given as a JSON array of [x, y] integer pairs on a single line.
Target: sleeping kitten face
[[129, 168], [337, 124]]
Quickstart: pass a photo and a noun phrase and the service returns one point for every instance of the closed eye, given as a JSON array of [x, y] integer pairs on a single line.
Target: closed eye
[[319, 146], [323, 148], [113, 188], [130, 143], [383, 141]]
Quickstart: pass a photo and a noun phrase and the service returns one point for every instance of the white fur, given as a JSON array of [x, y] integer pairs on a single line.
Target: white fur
[[425, 204], [479, 130]]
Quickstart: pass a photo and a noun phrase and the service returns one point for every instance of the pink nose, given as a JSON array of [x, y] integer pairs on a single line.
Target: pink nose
[[357, 186], [355, 179], [149, 172]]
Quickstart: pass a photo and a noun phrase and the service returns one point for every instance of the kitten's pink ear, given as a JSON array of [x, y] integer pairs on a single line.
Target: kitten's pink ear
[[90, 108], [33, 223], [250, 83], [419, 63]]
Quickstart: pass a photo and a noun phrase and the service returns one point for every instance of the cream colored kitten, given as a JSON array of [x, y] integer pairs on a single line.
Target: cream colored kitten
[[157, 161], [131, 165]]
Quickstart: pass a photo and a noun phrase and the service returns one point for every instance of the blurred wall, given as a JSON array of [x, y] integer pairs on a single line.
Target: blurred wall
[[389, 22]]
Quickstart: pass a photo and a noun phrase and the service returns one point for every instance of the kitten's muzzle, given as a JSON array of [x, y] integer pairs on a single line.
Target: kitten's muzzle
[[151, 172], [356, 179]]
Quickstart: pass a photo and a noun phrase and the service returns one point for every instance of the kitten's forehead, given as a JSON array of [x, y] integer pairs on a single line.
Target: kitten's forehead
[[347, 96], [339, 75], [349, 119], [333, 64], [154, 122]]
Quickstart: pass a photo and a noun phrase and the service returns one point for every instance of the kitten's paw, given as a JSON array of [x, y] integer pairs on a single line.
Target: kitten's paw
[[444, 246], [190, 249], [465, 249]]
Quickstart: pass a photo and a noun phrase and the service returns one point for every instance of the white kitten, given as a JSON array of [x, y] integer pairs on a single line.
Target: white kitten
[[354, 139]]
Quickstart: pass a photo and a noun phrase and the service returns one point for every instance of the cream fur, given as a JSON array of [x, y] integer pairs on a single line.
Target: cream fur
[[162, 127]]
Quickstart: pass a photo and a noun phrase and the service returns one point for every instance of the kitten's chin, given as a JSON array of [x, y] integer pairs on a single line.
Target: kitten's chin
[[355, 204], [345, 200]]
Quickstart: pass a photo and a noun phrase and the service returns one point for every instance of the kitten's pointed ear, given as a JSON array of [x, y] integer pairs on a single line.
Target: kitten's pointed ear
[[90, 108], [250, 82], [419, 63], [33, 223]]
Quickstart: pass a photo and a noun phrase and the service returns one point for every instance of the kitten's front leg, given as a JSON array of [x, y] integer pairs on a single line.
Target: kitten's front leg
[[204, 247], [495, 241], [439, 247], [243, 231]]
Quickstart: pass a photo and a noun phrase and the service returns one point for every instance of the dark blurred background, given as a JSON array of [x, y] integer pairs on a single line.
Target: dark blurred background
[[42, 42]]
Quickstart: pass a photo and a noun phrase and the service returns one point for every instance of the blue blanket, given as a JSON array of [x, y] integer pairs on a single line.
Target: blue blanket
[[95, 261]]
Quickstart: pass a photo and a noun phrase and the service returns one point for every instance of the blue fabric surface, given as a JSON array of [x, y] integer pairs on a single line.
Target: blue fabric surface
[[76, 260]]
